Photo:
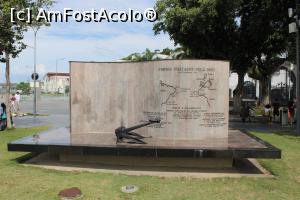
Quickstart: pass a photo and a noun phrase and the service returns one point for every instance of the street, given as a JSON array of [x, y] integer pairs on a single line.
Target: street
[[54, 112]]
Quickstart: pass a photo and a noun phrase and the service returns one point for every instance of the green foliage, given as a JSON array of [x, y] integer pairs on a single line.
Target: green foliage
[[264, 67], [11, 34], [147, 55], [264, 27], [35, 5], [25, 87], [205, 28], [166, 51], [67, 89], [237, 30], [241, 31]]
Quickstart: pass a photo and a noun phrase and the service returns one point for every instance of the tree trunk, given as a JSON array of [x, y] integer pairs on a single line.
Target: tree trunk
[[264, 86], [238, 93], [7, 77]]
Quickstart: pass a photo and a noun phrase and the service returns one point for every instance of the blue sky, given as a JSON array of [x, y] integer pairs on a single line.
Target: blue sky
[[86, 41]]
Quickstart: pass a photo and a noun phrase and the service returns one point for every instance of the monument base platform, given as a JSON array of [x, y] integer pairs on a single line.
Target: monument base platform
[[238, 145], [133, 161], [210, 168]]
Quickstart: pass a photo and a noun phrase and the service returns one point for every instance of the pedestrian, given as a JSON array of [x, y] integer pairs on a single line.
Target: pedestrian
[[13, 103], [3, 117], [257, 103], [268, 112], [18, 98], [246, 112]]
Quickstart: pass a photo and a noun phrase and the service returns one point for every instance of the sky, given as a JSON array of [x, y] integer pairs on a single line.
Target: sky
[[86, 41]]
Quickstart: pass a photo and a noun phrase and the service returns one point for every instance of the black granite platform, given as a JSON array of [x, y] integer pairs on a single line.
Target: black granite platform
[[238, 145]]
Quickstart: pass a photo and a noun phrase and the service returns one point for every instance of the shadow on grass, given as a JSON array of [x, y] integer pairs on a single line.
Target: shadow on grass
[[24, 158], [286, 132], [281, 131]]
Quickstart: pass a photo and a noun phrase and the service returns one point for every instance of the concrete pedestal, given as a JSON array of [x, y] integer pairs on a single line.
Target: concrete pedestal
[[130, 161]]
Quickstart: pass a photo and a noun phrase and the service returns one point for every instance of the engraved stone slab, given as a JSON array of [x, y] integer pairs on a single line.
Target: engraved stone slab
[[189, 96]]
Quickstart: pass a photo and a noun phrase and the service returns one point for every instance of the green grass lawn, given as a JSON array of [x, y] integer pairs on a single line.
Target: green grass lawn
[[20, 182]]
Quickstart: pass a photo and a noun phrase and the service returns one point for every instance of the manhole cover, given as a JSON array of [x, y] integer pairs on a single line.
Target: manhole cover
[[129, 189], [70, 193]]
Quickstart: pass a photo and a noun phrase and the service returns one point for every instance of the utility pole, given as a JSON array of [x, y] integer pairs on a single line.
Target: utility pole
[[35, 30], [294, 27]]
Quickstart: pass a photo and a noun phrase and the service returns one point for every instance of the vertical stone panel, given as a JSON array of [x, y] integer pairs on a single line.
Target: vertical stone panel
[[189, 96]]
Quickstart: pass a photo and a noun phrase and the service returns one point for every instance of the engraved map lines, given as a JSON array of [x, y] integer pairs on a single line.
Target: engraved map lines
[[206, 83], [172, 93]]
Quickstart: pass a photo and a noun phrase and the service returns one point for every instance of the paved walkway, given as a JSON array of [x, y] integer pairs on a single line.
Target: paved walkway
[[54, 121], [257, 126]]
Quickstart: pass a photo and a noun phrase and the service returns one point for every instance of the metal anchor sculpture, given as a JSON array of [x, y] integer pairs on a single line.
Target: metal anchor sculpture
[[125, 133]]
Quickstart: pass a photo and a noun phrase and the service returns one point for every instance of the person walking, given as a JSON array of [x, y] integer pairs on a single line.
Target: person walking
[[13, 103], [268, 112], [246, 112], [17, 102], [291, 111]]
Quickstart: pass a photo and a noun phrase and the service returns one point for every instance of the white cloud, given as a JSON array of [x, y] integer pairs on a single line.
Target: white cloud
[[86, 41]]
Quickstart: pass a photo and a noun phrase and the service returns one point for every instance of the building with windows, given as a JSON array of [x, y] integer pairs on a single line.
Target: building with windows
[[55, 82]]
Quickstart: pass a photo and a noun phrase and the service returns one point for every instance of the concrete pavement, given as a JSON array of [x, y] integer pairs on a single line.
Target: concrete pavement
[[54, 111]]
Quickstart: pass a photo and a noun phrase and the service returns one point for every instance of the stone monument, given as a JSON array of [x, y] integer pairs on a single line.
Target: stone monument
[[190, 97], [170, 113]]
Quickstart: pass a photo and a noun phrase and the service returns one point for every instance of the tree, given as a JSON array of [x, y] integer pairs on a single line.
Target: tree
[[166, 51], [25, 87], [262, 70], [10, 44], [145, 56], [237, 30], [67, 89], [263, 35], [11, 35], [206, 29]]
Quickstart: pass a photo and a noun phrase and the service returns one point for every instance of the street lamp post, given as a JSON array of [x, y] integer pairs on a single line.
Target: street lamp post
[[294, 27], [35, 30], [56, 84]]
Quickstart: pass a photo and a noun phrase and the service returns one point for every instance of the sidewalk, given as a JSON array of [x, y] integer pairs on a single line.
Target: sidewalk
[[54, 121], [256, 126]]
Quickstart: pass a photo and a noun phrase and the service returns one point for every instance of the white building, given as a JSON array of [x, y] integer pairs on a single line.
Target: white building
[[55, 82]]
